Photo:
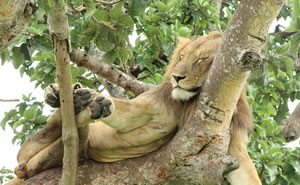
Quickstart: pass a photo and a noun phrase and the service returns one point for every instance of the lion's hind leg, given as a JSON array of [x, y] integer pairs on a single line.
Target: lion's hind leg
[[246, 174], [49, 157], [43, 138], [38, 142]]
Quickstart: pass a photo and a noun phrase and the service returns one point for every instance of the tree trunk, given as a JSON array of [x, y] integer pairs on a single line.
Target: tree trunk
[[14, 18], [58, 22], [198, 153]]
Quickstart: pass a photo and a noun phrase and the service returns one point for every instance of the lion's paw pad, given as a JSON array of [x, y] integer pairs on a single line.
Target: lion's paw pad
[[101, 107], [82, 97]]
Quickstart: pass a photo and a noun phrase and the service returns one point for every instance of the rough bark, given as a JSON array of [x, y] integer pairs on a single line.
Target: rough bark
[[109, 72], [14, 18], [291, 130], [58, 22], [198, 153], [113, 90]]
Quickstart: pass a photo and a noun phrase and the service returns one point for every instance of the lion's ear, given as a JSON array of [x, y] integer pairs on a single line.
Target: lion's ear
[[183, 41]]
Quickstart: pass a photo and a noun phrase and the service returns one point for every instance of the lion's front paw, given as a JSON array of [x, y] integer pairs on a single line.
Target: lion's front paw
[[52, 95], [21, 170], [82, 98], [101, 107]]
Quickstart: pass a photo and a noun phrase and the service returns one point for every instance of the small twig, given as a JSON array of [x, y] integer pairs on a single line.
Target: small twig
[[283, 34], [9, 100], [107, 3], [144, 76], [78, 9], [104, 24], [262, 169]]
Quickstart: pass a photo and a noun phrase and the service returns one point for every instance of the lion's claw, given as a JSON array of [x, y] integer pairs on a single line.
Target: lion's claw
[[101, 107]]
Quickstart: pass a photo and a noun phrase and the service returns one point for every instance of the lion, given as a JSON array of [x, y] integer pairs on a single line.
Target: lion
[[132, 128]]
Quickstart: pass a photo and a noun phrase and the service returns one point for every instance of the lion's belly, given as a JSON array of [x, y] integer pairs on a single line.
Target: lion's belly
[[125, 153], [106, 145]]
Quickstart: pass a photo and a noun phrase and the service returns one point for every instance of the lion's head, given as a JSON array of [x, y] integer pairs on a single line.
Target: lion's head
[[190, 64]]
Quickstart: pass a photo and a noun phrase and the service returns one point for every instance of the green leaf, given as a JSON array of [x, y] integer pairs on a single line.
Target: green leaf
[[184, 31], [76, 2], [229, 14], [110, 57], [137, 7], [296, 166], [288, 64], [272, 171], [102, 15], [17, 57], [104, 45], [282, 49], [158, 77], [17, 124], [29, 114], [116, 11], [161, 6], [277, 84], [41, 119], [295, 40], [271, 110], [4, 56], [91, 7], [261, 131], [295, 16], [123, 53], [45, 5], [126, 21]]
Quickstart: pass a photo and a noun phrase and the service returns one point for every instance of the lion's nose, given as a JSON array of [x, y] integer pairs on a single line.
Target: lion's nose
[[178, 78]]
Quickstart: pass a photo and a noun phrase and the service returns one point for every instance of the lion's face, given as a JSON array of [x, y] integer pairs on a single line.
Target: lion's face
[[190, 64]]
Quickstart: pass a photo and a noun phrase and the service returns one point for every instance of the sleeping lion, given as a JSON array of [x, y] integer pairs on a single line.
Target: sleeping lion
[[132, 128]]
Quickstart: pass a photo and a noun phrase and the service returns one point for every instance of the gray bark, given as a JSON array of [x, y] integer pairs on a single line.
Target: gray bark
[[59, 27], [14, 18], [109, 72]]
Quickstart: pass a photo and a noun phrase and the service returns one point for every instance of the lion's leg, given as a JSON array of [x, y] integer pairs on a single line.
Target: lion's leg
[[42, 138], [37, 142], [15, 181], [246, 173], [49, 157]]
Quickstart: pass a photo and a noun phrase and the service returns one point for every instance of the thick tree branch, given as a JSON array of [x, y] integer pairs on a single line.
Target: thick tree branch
[[113, 90], [109, 72], [291, 130], [14, 18], [58, 22]]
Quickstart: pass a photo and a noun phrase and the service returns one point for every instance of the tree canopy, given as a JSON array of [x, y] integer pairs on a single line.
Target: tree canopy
[[137, 37]]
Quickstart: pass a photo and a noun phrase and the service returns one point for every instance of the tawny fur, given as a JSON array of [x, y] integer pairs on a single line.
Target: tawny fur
[[145, 123]]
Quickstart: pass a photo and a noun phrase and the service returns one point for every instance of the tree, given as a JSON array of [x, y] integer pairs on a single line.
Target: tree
[[99, 31]]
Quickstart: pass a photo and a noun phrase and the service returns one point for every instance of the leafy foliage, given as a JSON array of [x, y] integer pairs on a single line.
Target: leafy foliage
[[107, 26], [5, 175], [25, 119]]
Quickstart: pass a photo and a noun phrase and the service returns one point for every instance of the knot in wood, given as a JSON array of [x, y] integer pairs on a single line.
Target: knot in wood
[[250, 60]]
